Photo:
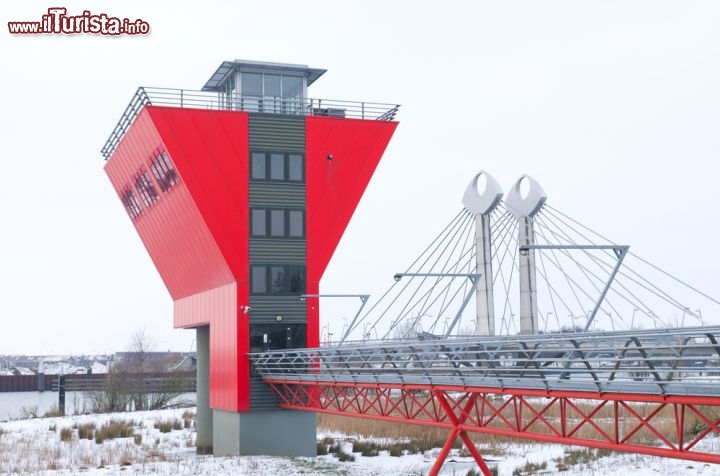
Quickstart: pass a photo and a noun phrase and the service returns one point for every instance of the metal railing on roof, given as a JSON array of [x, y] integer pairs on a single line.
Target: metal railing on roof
[[185, 98], [683, 361]]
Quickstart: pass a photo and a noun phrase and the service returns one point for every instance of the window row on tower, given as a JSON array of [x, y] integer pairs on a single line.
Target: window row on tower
[[277, 166], [142, 184], [277, 279], [277, 223]]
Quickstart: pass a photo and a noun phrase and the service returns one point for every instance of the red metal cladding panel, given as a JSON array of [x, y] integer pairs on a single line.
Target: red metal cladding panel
[[228, 352], [218, 308], [188, 265], [200, 308], [197, 232], [334, 188], [210, 148], [312, 338]]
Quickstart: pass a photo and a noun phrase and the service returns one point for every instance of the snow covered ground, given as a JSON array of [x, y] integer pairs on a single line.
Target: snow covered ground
[[35, 446]]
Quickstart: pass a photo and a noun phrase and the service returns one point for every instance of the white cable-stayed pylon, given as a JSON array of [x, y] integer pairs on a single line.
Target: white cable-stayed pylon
[[504, 267]]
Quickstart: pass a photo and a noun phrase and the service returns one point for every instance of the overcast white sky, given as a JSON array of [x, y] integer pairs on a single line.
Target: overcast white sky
[[613, 106]]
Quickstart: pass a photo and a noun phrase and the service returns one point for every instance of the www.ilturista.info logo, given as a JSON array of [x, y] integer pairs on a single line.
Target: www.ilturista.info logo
[[58, 22]]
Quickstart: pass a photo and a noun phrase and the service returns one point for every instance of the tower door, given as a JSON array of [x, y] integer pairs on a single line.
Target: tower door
[[277, 336]]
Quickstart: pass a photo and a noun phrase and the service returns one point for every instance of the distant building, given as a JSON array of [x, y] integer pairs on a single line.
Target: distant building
[[154, 361]]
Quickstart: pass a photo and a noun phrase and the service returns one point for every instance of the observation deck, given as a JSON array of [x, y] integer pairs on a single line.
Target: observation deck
[[232, 101]]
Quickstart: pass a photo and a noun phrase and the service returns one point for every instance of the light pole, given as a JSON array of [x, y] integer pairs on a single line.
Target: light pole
[[547, 319], [632, 320], [572, 322]]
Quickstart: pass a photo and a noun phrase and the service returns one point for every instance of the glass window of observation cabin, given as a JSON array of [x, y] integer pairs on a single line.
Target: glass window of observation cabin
[[272, 85], [258, 166], [277, 222], [251, 84], [259, 280], [295, 167], [259, 222], [229, 85], [292, 86], [277, 166]]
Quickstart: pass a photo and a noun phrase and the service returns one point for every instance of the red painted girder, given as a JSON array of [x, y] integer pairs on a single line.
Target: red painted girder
[[526, 392], [457, 409]]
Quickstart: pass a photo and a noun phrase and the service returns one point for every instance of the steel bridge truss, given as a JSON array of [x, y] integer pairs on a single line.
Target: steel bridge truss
[[669, 426], [651, 392]]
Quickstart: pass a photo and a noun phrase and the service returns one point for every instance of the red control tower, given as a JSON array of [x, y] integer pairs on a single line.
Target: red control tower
[[240, 193]]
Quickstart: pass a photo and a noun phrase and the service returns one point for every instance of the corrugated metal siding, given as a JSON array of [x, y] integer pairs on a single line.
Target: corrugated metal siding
[[278, 194], [266, 308], [277, 132], [278, 251], [263, 398], [269, 132]]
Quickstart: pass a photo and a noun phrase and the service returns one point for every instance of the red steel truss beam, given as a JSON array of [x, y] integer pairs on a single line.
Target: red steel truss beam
[[656, 425]]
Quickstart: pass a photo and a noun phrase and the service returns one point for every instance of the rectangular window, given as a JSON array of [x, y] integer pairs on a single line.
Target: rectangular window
[[251, 84], [292, 86], [258, 166], [251, 89], [292, 90], [131, 202], [145, 188], [295, 167], [259, 222], [278, 284], [259, 280], [272, 85], [296, 279], [277, 223], [283, 280], [277, 166], [296, 225], [163, 171]]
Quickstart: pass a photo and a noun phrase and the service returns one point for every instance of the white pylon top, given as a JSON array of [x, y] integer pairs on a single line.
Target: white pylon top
[[525, 203], [482, 203]]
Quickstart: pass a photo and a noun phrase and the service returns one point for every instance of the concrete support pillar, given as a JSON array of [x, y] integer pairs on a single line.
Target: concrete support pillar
[[524, 200], [481, 197], [204, 414], [274, 433], [528, 280], [485, 304]]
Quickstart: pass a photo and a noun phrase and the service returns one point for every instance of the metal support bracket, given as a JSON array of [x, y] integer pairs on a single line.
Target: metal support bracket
[[620, 252]]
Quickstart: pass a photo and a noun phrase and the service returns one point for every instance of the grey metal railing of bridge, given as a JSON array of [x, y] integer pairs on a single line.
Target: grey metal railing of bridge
[[186, 98], [683, 361]]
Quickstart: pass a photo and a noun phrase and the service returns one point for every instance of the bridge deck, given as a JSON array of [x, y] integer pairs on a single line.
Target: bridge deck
[[682, 361]]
